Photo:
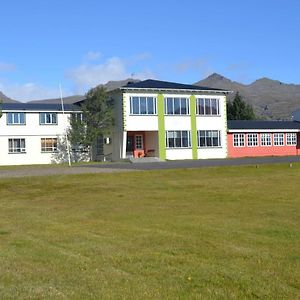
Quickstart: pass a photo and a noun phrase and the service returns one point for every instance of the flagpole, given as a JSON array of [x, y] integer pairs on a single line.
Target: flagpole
[[66, 136]]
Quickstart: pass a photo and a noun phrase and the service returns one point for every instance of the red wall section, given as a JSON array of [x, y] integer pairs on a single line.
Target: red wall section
[[261, 150]]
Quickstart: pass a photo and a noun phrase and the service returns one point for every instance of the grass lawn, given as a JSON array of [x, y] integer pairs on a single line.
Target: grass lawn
[[211, 233]]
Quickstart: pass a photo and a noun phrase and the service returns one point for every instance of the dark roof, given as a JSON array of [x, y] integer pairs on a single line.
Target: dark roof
[[238, 124], [164, 85], [38, 106]]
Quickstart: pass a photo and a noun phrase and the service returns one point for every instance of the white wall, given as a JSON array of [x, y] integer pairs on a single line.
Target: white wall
[[32, 132], [173, 154]]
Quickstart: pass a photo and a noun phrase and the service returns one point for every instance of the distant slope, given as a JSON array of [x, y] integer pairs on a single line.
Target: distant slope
[[271, 99], [5, 99]]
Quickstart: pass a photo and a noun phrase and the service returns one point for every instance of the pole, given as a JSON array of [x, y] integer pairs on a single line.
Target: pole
[[66, 135]]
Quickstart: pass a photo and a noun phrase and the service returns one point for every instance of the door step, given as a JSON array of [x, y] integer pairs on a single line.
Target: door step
[[144, 160]]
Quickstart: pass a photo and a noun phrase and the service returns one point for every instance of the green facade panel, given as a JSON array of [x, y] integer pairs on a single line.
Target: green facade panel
[[193, 127], [161, 127]]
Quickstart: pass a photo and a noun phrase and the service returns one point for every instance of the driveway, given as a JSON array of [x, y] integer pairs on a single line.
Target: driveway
[[23, 171]]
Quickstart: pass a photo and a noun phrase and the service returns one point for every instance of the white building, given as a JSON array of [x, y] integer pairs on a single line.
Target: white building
[[31, 133], [169, 121]]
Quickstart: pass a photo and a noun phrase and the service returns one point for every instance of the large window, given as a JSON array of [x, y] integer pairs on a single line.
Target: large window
[[15, 118], [142, 105], [207, 106], [48, 144], [209, 138], [252, 139], [177, 106], [278, 139], [178, 139], [239, 140], [265, 139], [16, 146], [291, 139], [48, 118]]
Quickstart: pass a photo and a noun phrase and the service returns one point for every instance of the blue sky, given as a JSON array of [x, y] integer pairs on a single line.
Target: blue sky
[[83, 43]]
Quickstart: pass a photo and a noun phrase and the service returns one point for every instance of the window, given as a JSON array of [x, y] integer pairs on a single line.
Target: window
[[178, 139], [48, 118], [139, 142], [252, 140], [15, 118], [278, 139], [16, 146], [142, 105], [207, 107], [209, 138], [239, 140], [48, 144], [77, 117], [265, 139], [177, 106], [291, 139]]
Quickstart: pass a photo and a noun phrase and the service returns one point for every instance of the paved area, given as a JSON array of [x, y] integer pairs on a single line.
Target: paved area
[[127, 167]]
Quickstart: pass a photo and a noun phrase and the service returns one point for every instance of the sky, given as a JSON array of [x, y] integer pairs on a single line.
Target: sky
[[80, 44]]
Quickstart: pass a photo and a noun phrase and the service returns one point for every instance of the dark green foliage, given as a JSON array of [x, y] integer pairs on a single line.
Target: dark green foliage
[[96, 120], [238, 109]]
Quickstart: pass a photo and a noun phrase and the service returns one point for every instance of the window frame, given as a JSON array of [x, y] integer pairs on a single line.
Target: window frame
[[208, 134], [263, 140], [170, 111], [52, 148], [252, 140], [239, 140], [175, 139], [148, 100], [20, 149], [278, 139], [290, 141], [201, 110], [43, 117], [13, 118]]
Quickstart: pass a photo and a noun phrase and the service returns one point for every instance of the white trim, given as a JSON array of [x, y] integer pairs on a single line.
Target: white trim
[[262, 130]]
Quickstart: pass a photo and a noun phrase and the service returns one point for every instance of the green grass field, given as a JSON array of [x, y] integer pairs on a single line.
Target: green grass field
[[211, 233]]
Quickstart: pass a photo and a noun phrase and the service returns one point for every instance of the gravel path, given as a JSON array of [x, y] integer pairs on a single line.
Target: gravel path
[[128, 167]]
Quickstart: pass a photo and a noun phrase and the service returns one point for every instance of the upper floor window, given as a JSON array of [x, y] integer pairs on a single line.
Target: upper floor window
[[265, 139], [177, 106], [291, 139], [142, 105], [16, 146], [209, 138], [278, 139], [252, 139], [15, 118], [48, 118], [239, 140], [178, 139], [77, 117], [48, 144], [208, 107]]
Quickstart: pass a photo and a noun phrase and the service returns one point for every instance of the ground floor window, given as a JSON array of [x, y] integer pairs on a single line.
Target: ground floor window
[[239, 140], [252, 139], [278, 139], [16, 146], [265, 139], [209, 138], [178, 139], [291, 139], [48, 144]]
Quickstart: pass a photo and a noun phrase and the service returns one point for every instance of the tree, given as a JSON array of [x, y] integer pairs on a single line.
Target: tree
[[238, 109], [95, 121]]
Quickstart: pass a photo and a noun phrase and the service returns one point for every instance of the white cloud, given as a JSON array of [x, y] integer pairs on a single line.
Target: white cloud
[[5, 67], [30, 91]]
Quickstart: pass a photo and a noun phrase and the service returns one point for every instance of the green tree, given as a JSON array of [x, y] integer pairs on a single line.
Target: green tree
[[238, 109], [95, 121]]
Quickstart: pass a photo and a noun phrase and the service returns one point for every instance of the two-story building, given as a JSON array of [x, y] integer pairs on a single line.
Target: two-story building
[[31, 133], [169, 121]]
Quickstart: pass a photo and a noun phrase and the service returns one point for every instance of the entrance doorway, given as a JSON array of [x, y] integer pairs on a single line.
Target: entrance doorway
[[135, 145]]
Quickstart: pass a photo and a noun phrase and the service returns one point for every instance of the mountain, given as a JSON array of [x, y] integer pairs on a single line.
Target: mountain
[[5, 99], [271, 99]]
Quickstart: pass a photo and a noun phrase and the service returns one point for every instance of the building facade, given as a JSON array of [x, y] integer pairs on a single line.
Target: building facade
[[33, 133], [263, 138], [169, 121]]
